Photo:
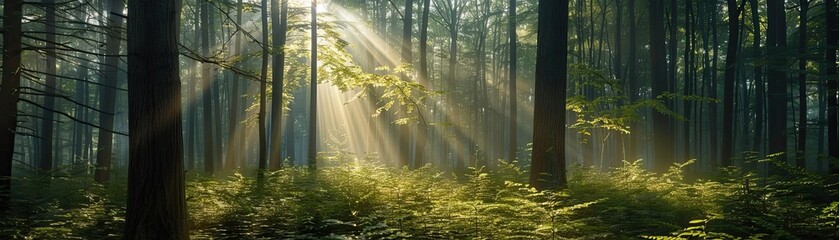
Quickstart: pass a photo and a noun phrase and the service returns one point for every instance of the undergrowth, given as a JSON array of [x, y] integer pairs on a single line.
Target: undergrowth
[[352, 198]]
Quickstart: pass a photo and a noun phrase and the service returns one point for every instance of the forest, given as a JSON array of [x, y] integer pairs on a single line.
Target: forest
[[419, 119]]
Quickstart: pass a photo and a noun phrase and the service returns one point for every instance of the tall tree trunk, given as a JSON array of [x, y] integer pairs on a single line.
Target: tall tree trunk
[[313, 95], [47, 113], [107, 98], [9, 94], [80, 112], [663, 143], [832, 29], [728, 91], [547, 170], [632, 80], [422, 132], [513, 145], [760, 86], [279, 18], [689, 83], [192, 122], [800, 155], [156, 207], [777, 42], [233, 140], [407, 58], [206, 92], [263, 102]]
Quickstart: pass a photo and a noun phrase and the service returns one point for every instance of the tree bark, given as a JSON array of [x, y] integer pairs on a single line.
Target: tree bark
[[313, 95], [513, 145], [422, 132], [663, 137], [9, 94], [800, 154], [407, 58], [728, 89], [777, 84], [279, 18], [156, 206], [832, 29], [548, 163], [206, 92]]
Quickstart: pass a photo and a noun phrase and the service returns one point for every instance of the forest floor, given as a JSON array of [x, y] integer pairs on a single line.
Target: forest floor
[[348, 199]]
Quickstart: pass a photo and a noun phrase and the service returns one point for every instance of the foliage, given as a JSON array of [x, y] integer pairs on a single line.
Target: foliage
[[355, 197]]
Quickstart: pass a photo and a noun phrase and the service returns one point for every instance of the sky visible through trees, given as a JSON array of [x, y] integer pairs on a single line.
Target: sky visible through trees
[[418, 119]]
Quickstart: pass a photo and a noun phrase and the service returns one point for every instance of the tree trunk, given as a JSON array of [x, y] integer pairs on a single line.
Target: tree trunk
[[513, 145], [156, 206], [9, 94], [832, 30], [313, 95], [777, 42], [422, 132], [760, 87], [279, 18], [48, 112], [548, 163], [632, 81], [800, 155], [407, 58], [728, 91], [263, 91], [107, 98], [206, 92], [663, 143]]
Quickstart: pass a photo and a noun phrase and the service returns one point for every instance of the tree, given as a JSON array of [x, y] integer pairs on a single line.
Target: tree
[[156, 206], [547, 170], [800, 155], [632, 79], [777, 85], [107, 99], [263, 91], [663, 138], [728, 89], [511, 153], [422, 134], [47, 114], [407, 58], [832, 29], [313, 95], [207, 94], [279, 18], [9, 94]]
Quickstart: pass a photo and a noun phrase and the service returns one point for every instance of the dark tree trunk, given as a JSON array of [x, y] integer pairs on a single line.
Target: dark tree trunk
[[263, 102], [832, 84], [513, 145], [689, 72], [156, 207], [47, 114], [107, 98], [206, 92], [233, 133], [663, 137], [728, 89], [407, 58], [279, 18], [760, 87], [422, 132], [632, 80], [9, 94], [777, 42], [313, 95], [800, 155], [548, 163]]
